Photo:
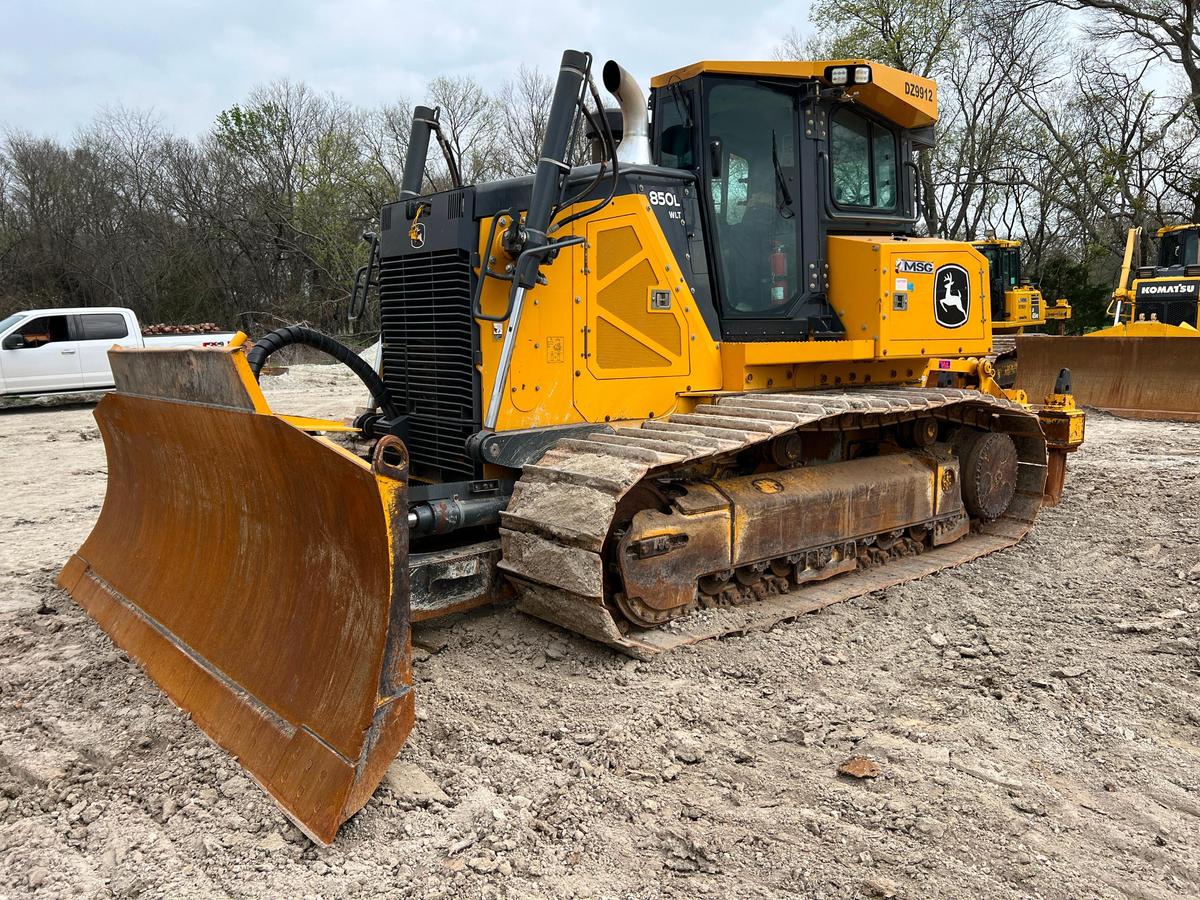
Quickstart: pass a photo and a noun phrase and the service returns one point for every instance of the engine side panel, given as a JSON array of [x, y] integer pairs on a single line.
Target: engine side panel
[[615, 333]]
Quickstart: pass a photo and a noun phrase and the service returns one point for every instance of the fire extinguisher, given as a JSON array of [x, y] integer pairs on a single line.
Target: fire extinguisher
[[779, 280]]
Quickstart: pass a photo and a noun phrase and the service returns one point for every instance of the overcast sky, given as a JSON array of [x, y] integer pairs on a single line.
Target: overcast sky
[[63, 60]]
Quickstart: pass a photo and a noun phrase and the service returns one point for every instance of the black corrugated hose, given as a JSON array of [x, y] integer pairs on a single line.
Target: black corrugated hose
[[298, 334]]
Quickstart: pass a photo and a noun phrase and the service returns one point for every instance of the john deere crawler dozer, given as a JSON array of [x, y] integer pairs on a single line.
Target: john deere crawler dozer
[[687, 385], [1146, 365]]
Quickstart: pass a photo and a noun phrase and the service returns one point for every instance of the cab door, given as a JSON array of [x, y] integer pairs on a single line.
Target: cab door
[[753, 163], [40, 355]]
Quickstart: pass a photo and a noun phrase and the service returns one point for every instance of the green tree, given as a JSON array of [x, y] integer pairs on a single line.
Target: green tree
[[1062, 277]]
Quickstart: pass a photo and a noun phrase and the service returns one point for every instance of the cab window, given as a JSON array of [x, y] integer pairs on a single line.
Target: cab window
[[1012, 266], [44, 330], [1177, 248], [672, 119], [103, 326], [863, 162]]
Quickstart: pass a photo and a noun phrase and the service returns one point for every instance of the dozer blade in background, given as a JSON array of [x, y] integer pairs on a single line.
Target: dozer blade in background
[[1137, 377], [257, 573]]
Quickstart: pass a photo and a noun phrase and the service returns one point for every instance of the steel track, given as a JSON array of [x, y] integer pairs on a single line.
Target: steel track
[[554, 531]]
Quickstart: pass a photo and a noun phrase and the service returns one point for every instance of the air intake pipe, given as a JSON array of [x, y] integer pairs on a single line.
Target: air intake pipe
[[423, 124], [548, 178], [634, 148]]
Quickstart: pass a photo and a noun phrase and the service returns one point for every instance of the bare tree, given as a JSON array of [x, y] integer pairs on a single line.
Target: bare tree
[[524, 106], [1165, 31], [979, 97], [470, 118], [918, 36], [1107, 154], [384, 134]]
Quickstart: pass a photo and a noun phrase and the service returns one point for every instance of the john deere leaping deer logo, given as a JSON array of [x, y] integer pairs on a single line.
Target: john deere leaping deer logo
[[951, 296]]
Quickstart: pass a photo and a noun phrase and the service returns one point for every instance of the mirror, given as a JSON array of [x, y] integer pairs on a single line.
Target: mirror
[[14, 341], [716, 156]]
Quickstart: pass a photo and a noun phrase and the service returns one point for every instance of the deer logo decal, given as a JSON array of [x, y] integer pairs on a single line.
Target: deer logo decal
[[951, 296]]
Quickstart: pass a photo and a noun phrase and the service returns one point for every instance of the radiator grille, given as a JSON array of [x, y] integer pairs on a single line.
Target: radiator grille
[[425, 311], [1173, 312]]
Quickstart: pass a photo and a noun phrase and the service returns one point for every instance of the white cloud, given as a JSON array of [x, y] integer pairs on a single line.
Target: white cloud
[[187, 60]]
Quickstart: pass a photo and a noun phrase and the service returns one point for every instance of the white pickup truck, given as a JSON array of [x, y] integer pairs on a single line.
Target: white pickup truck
[[45, 351]]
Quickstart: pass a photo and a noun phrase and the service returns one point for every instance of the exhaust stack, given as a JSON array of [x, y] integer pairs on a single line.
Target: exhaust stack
[[423, 123], [634, 148]]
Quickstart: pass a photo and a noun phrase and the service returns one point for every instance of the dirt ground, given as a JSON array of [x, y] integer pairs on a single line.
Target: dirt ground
[[1034, 717]]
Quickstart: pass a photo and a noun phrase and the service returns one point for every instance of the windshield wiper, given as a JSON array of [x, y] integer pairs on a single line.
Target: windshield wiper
[[785, 208], [687, 102]]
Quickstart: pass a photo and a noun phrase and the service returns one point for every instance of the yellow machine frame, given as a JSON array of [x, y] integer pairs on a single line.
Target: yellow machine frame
[[1123, 307], [591, 329]]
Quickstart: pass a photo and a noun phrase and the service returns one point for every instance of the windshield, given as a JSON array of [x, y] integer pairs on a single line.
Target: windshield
[[1178, 248], [1012, 268], [10, 321], [753, 186]]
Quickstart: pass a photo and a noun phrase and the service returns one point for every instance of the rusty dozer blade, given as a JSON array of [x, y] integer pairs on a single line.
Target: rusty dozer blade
[[1135, 377], [257, 573]]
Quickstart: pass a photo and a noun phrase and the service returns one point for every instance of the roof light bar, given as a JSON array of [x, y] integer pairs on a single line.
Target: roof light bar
[[841, 76]]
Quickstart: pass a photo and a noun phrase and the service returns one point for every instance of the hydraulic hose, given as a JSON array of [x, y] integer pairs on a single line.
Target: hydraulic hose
[[298, 334]]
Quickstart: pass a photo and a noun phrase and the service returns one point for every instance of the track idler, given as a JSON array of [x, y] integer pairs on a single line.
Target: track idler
[[258, 574]]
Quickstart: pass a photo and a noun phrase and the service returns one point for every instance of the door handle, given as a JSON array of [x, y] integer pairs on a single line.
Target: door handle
[[66, 352]]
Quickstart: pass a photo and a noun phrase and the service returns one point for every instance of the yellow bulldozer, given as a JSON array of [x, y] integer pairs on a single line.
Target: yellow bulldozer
[[1017, 304], [713, 381], [1145, 365]]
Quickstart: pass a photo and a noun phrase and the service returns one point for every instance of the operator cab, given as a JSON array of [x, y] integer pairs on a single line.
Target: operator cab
[[1004, 267], [785, 155], [1169, 292], [1178, 248]]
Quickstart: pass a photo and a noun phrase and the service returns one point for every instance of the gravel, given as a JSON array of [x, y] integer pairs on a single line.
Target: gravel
[[1033, 717]]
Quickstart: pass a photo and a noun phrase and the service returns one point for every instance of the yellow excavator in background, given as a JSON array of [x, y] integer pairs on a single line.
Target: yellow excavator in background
[[1146, 365], [714, 381]]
